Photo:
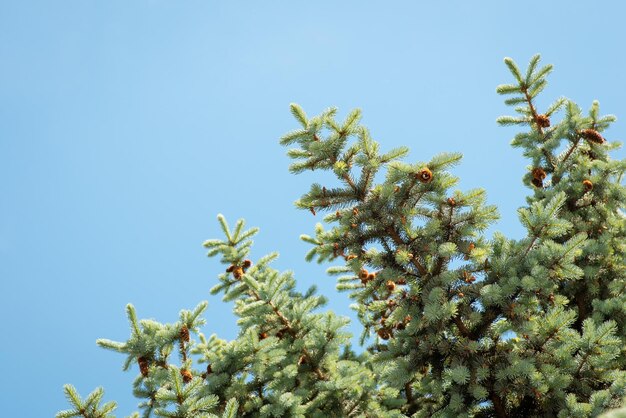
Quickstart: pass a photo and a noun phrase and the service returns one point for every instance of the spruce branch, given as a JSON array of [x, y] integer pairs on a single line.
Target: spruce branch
[[89, 407]]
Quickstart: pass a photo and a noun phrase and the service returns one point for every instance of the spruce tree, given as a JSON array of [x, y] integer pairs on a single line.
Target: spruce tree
[[435, 296]]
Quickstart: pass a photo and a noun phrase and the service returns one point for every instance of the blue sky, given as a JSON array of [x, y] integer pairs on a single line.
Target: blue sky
[[125, 127]]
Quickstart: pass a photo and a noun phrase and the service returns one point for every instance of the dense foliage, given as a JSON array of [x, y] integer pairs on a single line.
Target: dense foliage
[[435, 296]]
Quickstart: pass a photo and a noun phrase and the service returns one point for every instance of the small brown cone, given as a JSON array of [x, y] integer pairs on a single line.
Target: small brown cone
[[425, 175], [588, 185], [262, 335], [384, 333], [335, 250], [143, 365], [246, 264], [539, 173], [186, 374], [451, 201], [543, 121], [391, 286], [592, 135], [184, 333], [238, 272], [537, 183]]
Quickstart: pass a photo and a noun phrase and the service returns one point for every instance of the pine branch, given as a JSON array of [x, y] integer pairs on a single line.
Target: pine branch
[[397, 239], [291, 330]]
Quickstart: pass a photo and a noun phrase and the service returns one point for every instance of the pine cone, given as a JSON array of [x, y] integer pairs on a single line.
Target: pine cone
[[543, 121], [186, 374], [184, 333], [143, 365], [384, 333], [391, 286], [588, 185], [451, 201], [237, 272], [539, 173], [592, 135], [425, 175], [336, 250], [537, 183]]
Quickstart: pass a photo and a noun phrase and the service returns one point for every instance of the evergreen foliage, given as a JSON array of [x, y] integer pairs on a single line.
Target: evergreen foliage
[[435, 296]]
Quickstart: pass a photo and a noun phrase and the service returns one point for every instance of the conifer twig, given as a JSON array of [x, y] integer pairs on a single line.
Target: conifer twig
[[397, 239], [290, 329], [535, 116]]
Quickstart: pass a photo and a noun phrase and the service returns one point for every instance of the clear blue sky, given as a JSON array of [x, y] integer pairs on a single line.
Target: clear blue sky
[[126, 126]]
